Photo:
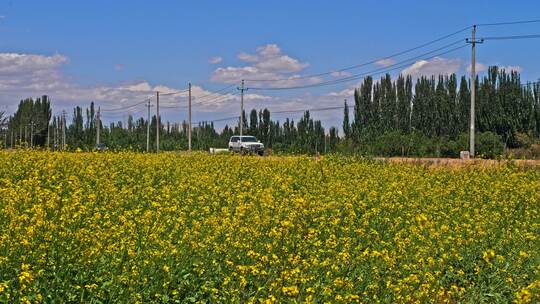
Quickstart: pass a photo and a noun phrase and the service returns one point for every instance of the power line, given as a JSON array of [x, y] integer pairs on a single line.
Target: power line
[[510, 22], [124, 108], [174, 93], [119, 114], [208, 101], [276, 112], [310, 110], [512, 37], [215, 92], [217, 99], [216, 120], [173, 107], [368, 62], [399, 53], [394, 66], [201, 98]]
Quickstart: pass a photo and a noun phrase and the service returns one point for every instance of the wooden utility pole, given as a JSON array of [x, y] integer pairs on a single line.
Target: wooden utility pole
[[157, 121], [189, 118]]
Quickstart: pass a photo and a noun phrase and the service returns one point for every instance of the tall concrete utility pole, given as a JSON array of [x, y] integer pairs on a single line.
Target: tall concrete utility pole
[[148, 127], [473, 43], [157, 121], [242, 89], [31, 135], [60, 132], [98, 127], [189, 118], [55, 134], [63, 129]]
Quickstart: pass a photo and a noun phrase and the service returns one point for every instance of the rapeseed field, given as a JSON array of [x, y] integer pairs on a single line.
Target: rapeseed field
[[172, 228]]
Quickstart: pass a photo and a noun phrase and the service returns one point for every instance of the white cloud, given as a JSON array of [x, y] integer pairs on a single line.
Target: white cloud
[[435, 66], [29, 75], [270, 58], [215, 60], [25, 72], [515, 68], [137, 87], [481, 67], [12, 63], [247, 57], [340, 74], [268, 63], [257, 97], [269, 50], [345, 93], [385, 62]]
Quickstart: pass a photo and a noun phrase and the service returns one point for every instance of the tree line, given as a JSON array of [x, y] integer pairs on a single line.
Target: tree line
[[428, 116], [431, 116], [33, 125]]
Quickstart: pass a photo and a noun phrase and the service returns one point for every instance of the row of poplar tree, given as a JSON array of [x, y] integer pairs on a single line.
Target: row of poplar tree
[[431, 116], [428, 116], [34, 126]]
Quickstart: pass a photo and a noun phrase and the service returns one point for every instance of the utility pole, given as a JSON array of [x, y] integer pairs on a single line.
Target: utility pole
[[473, 43], [157, 121], [61, 137], [242, 89], [148, 127], [55, 134], [63, 129], [48, 136], [189, 118], [98, 127], [31, 135]]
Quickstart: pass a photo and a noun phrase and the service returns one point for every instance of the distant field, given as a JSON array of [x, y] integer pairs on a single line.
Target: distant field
[[129, 227], [456, 162]]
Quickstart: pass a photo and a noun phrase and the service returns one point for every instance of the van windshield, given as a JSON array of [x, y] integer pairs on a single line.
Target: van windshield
[[249, 139]]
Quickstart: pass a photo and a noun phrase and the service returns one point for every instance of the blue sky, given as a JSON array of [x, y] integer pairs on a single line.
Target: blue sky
[[114, 51]]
